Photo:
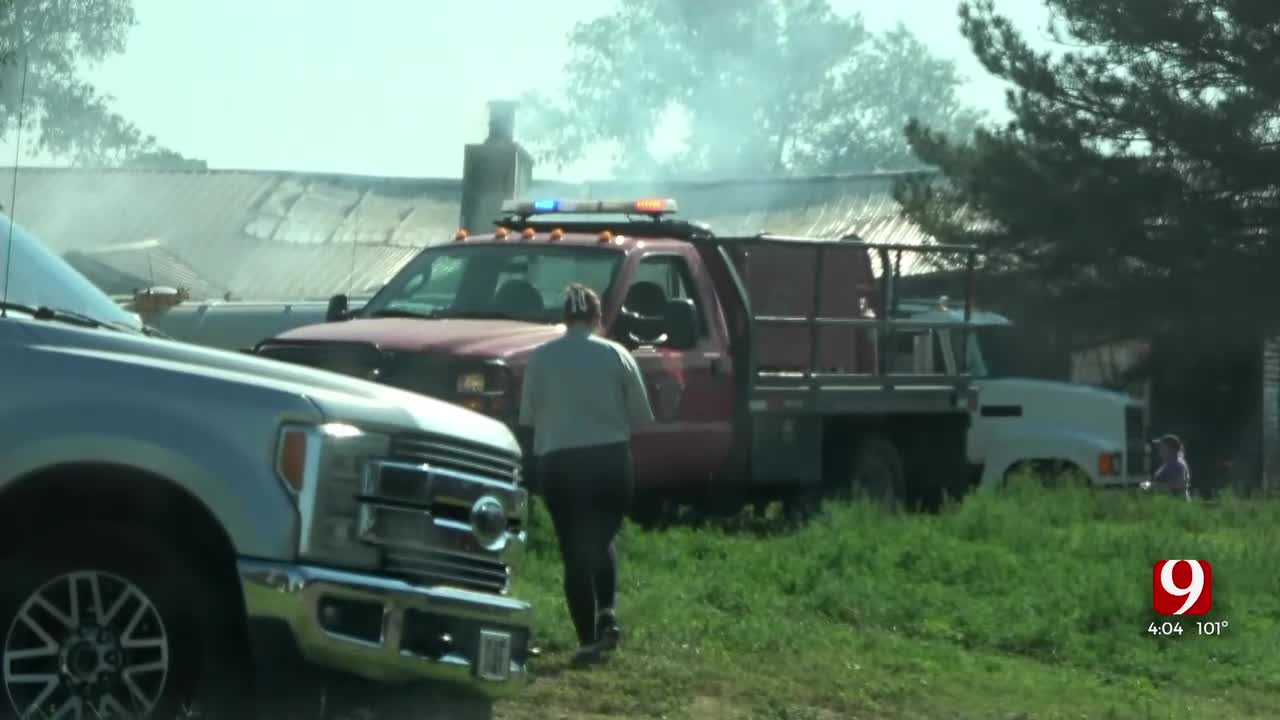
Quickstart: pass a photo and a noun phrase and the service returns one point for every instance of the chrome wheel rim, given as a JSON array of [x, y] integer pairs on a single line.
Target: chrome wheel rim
[[86, 644]]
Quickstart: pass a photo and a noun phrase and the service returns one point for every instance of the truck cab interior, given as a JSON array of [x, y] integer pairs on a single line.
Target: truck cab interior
[[649, 315]]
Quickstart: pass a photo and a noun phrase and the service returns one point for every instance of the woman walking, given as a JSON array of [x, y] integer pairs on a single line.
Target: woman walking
[[583, 396]]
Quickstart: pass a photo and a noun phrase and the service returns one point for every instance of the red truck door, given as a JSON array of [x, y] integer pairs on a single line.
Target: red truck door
[[690, 389]]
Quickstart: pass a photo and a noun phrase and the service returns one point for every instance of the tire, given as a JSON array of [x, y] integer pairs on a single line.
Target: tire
[[877, 472], [128, 636], [1051, 474]]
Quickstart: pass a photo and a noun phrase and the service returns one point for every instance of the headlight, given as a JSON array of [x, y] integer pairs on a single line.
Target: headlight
[[484, 389], [324, 466], [472, 383]]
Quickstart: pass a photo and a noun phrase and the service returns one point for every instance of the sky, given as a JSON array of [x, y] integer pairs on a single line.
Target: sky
[[392, 87]]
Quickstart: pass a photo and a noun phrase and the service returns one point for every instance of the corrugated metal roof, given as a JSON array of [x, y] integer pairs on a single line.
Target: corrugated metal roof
[[283, 271], [293, 235], [139, 265]]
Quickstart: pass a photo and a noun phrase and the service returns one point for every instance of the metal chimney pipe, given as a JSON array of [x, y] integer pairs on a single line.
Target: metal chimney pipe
[[502, 121]]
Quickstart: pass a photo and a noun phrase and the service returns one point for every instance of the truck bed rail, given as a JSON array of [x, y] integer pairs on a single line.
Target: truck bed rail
[[836, 346]]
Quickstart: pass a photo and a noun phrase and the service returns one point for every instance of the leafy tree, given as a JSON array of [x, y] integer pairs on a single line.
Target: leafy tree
[[162, 159], [1135, 188], [47, 43], [765, 87]]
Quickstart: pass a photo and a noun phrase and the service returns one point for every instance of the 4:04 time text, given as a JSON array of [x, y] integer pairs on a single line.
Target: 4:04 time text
[[1174, 628]]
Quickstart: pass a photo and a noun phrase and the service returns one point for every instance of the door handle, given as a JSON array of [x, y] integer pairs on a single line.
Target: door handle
[[716, 364]]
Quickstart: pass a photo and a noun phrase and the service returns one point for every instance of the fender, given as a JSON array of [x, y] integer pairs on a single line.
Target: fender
[[237, 487], [1012, 447]]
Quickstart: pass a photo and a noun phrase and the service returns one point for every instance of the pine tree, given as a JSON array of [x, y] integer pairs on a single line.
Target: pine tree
[[1135, 188]]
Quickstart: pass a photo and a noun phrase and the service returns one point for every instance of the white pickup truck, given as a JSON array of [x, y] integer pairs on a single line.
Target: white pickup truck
[[1021, 421], [181, 525]]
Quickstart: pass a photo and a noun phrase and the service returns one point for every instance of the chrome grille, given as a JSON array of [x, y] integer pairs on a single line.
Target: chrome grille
[[417, 507], [455, 455], [430, 567]]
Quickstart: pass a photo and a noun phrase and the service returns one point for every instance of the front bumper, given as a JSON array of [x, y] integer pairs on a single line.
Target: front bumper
[[385, 629]]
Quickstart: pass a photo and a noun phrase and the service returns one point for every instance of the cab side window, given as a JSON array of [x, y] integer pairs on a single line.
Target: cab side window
[[659, 279], [917, 353], [667, 271]]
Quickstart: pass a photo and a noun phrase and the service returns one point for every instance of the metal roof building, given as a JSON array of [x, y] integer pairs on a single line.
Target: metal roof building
[[281, 235]]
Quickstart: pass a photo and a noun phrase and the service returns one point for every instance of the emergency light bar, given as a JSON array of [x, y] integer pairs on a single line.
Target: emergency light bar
[[643, 206]]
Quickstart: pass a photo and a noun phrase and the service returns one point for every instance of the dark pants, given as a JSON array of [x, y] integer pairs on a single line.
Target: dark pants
[[587, 491]]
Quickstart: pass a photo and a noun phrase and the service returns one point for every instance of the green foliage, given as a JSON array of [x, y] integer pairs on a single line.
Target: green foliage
[[1135, 183], [49, 42], [163, 159], [766, 87], [1027, 603]]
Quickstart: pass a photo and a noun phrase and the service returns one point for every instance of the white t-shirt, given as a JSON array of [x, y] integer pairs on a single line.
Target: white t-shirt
[[582, 390]]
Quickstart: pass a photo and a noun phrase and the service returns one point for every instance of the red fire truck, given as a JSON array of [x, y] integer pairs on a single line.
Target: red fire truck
[[775, 365]]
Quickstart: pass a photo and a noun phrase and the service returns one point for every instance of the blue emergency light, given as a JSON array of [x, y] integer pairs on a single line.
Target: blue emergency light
[[643, 206]]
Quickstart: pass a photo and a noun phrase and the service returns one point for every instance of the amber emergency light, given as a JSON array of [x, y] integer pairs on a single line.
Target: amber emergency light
[[642, 206]]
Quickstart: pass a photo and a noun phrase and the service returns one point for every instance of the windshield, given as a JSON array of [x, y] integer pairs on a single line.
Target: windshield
[[32, 275], [995, 352], [499, 281]]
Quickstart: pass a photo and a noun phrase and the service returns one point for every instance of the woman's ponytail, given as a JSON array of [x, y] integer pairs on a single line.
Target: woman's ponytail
[[581, 305]]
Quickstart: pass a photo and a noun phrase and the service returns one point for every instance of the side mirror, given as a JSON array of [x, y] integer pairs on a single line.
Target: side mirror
[[337, 309], [681, 320]]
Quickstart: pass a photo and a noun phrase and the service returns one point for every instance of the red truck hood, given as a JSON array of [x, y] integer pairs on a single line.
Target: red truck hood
[[490, 338]]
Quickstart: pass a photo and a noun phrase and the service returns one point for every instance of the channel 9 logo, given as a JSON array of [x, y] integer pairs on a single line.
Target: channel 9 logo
[[1182, 587]]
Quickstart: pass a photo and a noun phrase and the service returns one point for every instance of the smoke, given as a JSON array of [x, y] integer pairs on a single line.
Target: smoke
[[679, 89]]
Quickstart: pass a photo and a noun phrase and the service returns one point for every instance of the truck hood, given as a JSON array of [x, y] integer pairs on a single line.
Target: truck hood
[[488, 338], [1018, 391], [338, 397]]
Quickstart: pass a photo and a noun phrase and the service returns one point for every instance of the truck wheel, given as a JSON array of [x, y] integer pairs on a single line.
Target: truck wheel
[[877, 473], [1050, 474], [107, 625]]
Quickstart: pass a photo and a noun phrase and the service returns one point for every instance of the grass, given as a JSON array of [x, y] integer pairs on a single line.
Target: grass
[[1027, 604]]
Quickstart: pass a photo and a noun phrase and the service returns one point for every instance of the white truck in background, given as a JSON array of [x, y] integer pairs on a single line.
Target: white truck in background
[[1020, 421], [224, 324]]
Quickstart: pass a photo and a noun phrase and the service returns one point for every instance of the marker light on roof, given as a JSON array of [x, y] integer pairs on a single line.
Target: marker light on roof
[[605, 237], [556, 234], [651, 205], [460, 235], [643, 206], [527, 234], [500, 234]]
